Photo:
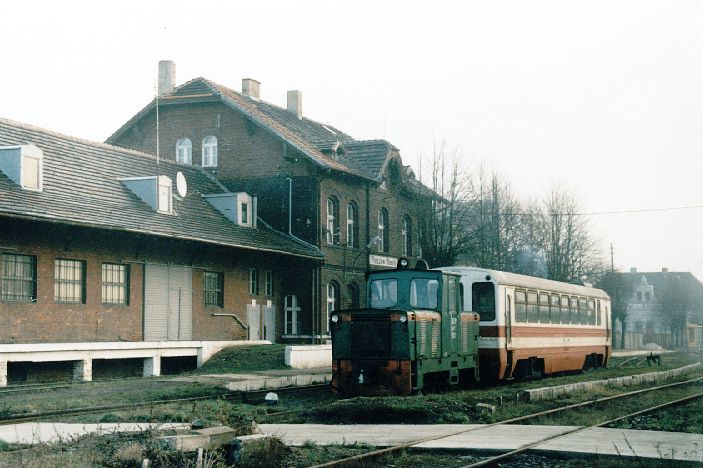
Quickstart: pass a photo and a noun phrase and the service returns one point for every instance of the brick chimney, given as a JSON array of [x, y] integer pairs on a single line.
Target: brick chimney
[[665, 270], [295, 103], [167, 76], [250, 87]]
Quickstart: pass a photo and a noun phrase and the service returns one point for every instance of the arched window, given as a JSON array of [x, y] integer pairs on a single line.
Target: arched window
[[209, 151], [332, 301], [332, 221], [184, 151], [383, 231], [352, 296], [407, 234], [352, 225]]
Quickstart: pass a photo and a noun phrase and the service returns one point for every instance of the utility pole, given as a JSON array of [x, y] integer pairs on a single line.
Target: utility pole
[[612, 262]]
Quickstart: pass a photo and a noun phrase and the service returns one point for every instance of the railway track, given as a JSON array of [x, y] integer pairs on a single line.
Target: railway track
[[352, 461]]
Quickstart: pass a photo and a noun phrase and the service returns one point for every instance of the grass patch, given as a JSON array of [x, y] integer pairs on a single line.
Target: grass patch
[[245, 358]]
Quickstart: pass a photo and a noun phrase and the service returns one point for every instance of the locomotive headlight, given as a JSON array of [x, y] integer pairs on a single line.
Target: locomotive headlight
[[334, 318], [403, 318]]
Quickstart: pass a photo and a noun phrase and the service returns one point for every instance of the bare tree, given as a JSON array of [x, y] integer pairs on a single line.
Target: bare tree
[[619, 288], [494, 229], [443, 234], [568, 248]]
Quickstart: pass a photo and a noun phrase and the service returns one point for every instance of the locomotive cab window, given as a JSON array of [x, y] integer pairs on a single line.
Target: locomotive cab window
[[483, 300], [423, 293], [384, 293]]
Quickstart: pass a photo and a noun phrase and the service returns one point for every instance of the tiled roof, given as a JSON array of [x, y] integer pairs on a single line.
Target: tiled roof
[[82, 186], [313, 139]]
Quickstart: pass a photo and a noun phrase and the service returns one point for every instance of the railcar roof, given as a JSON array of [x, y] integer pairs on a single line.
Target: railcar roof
[[532, 282]]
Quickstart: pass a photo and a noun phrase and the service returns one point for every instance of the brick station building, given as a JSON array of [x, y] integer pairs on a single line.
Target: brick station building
[[353, 199], [110, 253]]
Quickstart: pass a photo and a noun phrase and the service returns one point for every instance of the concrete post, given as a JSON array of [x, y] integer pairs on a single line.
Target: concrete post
[[3, 373], [83, 370], [152, 366]]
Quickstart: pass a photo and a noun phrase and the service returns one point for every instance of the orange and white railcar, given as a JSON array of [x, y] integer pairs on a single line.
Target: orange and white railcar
[[532, 326]]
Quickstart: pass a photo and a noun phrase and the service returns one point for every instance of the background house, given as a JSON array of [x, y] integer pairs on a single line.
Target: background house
[[663, 308], [353, 199], [104, 246]]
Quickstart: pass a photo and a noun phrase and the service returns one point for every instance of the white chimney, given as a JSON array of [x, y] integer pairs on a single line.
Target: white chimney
[[167, 76], [250, 87], [295, 103]]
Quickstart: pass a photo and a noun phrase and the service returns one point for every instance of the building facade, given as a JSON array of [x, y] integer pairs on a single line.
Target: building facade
[[662, 309], [105, 245], [352, 199]]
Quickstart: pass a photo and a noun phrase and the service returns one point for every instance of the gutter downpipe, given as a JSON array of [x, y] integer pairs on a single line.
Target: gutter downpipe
[[290, 205]]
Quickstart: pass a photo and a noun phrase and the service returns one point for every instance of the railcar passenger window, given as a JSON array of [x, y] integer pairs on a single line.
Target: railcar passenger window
[[520, 306], [554, 308], [532, 308], [544, 308], [583, 312], [483, 300], [564, 309], [384, 293], [423, 293], [591, 312], [574, 311]]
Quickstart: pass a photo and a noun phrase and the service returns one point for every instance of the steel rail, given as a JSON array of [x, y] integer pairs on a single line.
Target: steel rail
[[526, 447], [351, 461]]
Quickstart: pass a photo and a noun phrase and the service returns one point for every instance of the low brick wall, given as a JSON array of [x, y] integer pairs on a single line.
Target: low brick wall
[[549, 393], [307, 357]]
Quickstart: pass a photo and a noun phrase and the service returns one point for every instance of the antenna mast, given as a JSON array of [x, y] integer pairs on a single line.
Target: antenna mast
[[157, 126]]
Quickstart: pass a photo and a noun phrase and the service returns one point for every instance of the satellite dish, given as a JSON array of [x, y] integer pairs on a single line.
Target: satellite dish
[[181, 184]]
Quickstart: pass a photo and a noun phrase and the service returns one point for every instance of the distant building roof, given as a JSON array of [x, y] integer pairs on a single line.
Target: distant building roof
[[82, 186]]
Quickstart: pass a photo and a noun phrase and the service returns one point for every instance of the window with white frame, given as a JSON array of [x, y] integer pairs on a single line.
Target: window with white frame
[[69, 281], [253, 281], [213, 288], [352, 225], [293, 324], [332, 301], [210, 151], [332, 221], [18, 278], [244, 213], [115, 283], [268, 282], [184, 151], [383, 233], [407, 235]]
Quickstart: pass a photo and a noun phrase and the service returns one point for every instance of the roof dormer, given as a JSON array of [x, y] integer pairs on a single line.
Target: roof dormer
[[23, 164], [240, 207], [155, 191]]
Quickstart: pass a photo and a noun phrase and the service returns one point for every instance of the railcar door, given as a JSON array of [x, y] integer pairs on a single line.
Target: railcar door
[[508, 319]]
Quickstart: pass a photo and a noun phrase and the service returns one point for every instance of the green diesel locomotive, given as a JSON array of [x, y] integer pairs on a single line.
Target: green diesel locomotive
[[413, 335]]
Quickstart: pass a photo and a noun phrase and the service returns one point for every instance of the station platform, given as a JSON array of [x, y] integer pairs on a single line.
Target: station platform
[[265, 380], [504, 438]]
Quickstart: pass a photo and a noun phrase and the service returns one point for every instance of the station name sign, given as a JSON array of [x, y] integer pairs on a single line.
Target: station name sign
[[381, 261]]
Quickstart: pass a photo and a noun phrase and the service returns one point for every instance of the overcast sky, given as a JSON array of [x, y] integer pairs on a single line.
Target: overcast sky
[[604, 98]]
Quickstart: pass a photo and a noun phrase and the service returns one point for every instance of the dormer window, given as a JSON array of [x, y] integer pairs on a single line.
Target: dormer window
[[210, 151], [165, 194], [23, 165], [155, 191], [239, 207], [184, 151]]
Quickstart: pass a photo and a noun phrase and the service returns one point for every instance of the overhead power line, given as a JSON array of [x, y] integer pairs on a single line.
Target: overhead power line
[[592, 213]]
